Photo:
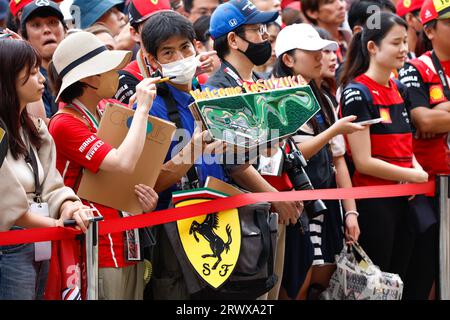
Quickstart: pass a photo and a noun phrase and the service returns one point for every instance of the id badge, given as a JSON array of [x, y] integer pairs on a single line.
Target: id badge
[[271, 166], [42, 250], [132, 243]]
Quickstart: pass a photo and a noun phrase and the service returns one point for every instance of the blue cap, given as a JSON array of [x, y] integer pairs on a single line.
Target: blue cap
[[4, 6], [232, 14], [92, 10]]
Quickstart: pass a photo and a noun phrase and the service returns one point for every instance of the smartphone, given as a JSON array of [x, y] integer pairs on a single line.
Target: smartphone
[[371, 121]]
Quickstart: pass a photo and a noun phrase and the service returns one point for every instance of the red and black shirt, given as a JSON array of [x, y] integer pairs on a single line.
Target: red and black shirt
[[391, 139], [425, 90]]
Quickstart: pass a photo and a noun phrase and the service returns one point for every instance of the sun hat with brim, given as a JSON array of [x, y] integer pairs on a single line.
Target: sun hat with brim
[[302, 36], [235, 13], [92, 10], [434, 10], [83, 55]]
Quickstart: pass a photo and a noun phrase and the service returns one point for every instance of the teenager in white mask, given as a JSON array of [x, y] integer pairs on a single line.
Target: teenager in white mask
[[168, 38]]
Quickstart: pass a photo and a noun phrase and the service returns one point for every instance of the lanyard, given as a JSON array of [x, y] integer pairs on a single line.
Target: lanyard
[[32, 161], [143, 65], [86, 114], [441, 74], [232, 73]]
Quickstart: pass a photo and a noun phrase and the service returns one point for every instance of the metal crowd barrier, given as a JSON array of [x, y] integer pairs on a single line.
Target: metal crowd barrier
[[444, 238], [444, 246], [92, 260]]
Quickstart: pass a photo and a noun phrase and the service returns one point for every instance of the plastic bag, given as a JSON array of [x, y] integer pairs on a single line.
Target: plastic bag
[[357, 278]]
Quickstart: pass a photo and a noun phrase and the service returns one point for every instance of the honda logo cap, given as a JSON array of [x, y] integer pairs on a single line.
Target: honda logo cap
[[301, 36], [434, 9], [140, 10], [406, 6], [231, 15]]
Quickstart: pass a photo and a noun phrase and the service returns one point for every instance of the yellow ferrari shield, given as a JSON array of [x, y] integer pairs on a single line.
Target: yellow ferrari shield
[[212, 242]]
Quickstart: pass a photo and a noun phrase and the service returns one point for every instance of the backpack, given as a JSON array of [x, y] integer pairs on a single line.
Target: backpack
[[175, 278]]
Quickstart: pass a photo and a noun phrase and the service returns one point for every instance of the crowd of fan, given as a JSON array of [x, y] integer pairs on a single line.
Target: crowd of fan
[[381, 60]]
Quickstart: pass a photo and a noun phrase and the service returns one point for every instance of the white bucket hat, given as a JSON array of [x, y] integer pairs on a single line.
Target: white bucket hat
[[301, 36], [82, 55]]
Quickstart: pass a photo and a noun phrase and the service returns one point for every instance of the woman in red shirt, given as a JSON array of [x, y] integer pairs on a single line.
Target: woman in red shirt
[[84, 72], [382, 153]]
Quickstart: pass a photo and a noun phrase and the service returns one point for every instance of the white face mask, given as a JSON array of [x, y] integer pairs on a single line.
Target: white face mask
[[183, 70], [279, 20]]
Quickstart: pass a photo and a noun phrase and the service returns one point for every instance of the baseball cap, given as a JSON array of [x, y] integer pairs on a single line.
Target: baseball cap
[[434, 9], [293, 4], [404, 7], [301, 36], [232, 14], [140, 10], [16, 5], [92, 10], [41, 6]]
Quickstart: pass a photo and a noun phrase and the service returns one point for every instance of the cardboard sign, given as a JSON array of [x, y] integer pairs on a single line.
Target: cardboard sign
[[115, 189], [251, 119], [212, 242], [221, 186]]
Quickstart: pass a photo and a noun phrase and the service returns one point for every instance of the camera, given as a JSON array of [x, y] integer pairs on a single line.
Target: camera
[[294, 164]]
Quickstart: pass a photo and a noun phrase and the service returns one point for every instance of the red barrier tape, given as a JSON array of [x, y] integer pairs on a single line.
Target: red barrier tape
[[170, 215]]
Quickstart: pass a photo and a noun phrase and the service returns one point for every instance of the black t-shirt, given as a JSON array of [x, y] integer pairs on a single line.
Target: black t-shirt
[[127, 86], [391, 139]]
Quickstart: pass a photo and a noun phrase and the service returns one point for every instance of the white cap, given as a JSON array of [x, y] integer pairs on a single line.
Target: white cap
[[301, 36]]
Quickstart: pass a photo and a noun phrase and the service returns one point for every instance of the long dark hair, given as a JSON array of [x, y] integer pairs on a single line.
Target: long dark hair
[[330, 83], [280, 69], [14, 57], [358, 58]]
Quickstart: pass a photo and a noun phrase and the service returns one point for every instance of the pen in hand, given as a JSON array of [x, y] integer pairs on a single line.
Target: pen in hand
[[165, 79]]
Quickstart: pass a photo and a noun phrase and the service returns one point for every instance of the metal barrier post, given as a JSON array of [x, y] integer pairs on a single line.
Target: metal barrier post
[[444, 238], [92, 261]]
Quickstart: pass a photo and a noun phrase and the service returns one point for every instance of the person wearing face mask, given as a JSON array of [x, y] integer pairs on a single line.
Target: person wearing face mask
[[241, 42], [138, 12], [83, 72], [169, 39]]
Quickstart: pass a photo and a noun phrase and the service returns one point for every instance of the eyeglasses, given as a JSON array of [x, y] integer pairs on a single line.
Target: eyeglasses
[[262, 29]]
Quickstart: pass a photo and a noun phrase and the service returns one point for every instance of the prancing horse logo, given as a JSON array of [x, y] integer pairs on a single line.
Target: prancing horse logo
[[216, 243], [213, 255]]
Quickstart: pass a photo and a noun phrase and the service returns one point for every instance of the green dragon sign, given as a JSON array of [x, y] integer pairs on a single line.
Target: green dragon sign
[[252, 119]]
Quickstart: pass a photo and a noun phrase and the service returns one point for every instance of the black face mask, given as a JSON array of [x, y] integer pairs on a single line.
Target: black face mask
[[258, 53]]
